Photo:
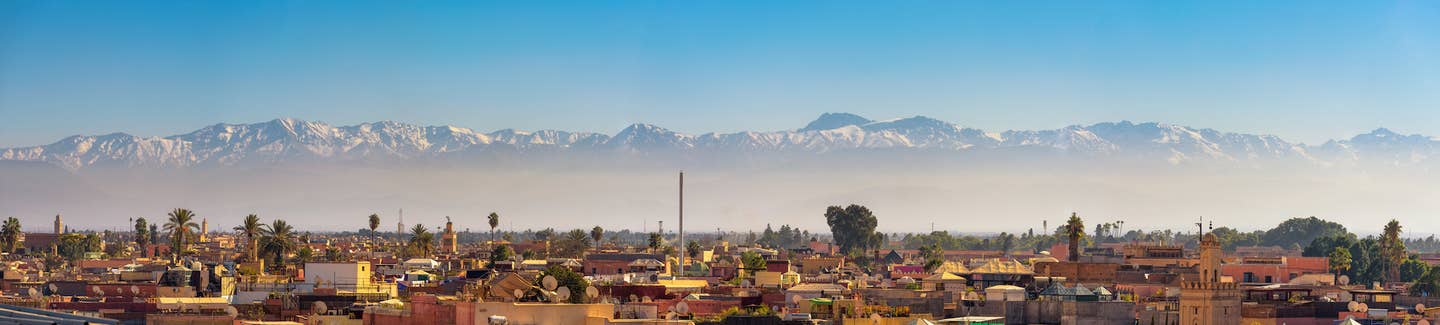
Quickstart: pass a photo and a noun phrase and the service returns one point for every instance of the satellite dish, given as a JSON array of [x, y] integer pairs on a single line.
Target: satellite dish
[[33, 293], [877, 318], [1364, 308], [796, 299], [1344, 280], [645, 299], [230, 310], [519, 293], [549, 283], [98, 292], [1422, 322], [1353, 306], [591, 292], [135, 290], [1420, 307], [683, 307], [53, 288], [319, 307], [634, 298], [563, 294]]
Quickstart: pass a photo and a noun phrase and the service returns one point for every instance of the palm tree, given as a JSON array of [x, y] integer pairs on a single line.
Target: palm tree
[[251, 228], [655, 241], [142, 233], [279, 239], [374, 223], [1340, 260], [494, 222], [10, 235], [1075, 229], [1393, 249], [596, 234], [181, 227], [421, 240]]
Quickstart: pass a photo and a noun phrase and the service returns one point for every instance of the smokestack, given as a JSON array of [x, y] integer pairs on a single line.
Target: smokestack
[[682, 223]]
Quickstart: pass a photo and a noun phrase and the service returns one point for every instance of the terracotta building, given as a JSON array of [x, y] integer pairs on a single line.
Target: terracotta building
[[1207, 300]]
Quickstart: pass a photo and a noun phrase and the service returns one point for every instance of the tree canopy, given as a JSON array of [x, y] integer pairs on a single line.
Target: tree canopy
[[1298, 232], [852, 227]]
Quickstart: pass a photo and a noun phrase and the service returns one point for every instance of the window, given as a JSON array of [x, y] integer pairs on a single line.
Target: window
[[1268, 279]]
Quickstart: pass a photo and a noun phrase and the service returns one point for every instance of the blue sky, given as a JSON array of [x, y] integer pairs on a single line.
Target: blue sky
[[1303, 70]]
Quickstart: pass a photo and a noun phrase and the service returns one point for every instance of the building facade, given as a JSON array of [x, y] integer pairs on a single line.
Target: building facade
[[1207, 300]]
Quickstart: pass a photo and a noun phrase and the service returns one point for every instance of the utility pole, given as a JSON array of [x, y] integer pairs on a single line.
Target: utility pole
[[682, 222]]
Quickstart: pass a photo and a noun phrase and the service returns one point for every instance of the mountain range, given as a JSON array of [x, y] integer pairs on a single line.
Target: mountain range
[[287, 140]]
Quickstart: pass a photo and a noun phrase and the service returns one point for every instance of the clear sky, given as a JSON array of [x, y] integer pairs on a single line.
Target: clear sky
[[1304, 70]]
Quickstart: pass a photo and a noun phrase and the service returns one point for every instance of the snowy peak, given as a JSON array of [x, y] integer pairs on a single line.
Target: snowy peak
[[645, 137], [829, 121], [288, 139]]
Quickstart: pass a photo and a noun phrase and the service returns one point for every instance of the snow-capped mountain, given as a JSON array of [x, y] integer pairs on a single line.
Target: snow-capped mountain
[[284, 140]]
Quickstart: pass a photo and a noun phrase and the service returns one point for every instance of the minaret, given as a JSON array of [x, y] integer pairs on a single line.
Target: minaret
[[59, 225], [1207, 299], [204, 228], [400, 226], [448, 239]]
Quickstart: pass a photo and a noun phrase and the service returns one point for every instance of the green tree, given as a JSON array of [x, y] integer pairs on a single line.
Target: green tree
[[494, 220], [934, 257], [304, 255], [655, 241], [1393, 249], [853, 228], [573, 244], [182, 228], [71, 247], [1075, 230], [1413, 269], [10, 235], [501, 252], [1007, 242], [334, 255], [142, 232], [597, 234], [692, 249], [1339, 261], [279, 240], [251, 228], [1428, 284], [1321, 247], [752, 262], [1301, 231], [567, 278], [374, 224], [422, 241]]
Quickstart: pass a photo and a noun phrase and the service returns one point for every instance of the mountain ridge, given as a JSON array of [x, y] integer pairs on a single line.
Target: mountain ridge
[[286, 139]]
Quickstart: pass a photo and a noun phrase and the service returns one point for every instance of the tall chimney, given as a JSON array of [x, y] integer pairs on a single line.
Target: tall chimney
[[682, 223]]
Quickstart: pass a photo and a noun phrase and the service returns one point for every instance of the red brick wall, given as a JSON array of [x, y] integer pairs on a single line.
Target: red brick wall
[[604, 267]]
